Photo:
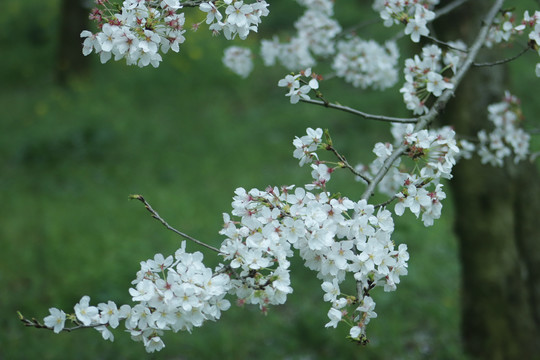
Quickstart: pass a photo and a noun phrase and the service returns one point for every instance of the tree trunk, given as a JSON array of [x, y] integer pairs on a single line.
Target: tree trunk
[[496, 220], [73, 20]]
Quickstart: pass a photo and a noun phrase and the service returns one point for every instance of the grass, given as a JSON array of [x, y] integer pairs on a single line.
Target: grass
[[185, 137]]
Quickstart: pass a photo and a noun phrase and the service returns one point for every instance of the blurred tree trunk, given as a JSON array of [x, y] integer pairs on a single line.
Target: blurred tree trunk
[[73, 20], [496, 219]]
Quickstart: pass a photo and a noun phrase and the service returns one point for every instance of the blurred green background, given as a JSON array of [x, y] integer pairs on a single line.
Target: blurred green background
[[185, 136]]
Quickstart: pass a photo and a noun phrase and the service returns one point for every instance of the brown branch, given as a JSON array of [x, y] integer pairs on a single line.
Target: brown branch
[[358, 26], [347, 165], [503, 61], [156, 216], [361, 113], [445, 44], [35, 323], [389, 201], [448, 8]]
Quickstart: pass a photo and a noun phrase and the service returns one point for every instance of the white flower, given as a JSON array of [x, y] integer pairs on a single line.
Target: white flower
[[55, 320], [153, 343], [237, 13], [335, 317], [297, 94], [368, 307], [436, 83], [85, 313], [213, 12], [290, 81], [109, 314], [331, 290], [173, 4], [416, 27], [144, 292], [355, 332], [106, 334]]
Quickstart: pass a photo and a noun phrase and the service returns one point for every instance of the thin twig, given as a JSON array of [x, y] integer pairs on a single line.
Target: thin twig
[[448, 8], [156, 216], [389, 201], [347, 165], [504, 61], [440, 103], [35, 323], [358, 26], [445, 44], [361, 113]]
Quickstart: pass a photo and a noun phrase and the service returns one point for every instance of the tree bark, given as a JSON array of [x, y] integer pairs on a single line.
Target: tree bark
[[73, 20], [496, 220]]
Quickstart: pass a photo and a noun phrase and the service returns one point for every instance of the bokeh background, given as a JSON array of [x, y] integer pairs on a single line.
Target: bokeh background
[[74, 144]]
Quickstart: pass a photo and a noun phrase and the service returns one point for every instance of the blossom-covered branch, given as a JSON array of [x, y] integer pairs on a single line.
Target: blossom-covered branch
[[54, 322], [441, 102], [335, 236]]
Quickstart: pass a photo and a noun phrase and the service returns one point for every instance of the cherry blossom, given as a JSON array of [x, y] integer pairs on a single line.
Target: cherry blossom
[[239, 60], [55, 320]]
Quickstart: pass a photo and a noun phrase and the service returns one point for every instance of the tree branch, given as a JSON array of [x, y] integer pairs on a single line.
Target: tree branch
[[448, 8], [361, 113], [35, 323], [347, 165], [503, 61], [156, 216], [387, 202], [441, 102], [445, 44], [356, 27]]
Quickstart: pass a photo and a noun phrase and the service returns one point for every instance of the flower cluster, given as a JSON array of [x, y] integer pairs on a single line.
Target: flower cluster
[[175, 294], [104, 316], [305, 147], [171, 293], [316, 33], [422, 193], [415, 14], [506, 27], [366, 63], [300, 84], [323, 6], [318, 30], [240, 17], [423, 76], [139, 30], [334, 235], [137, 33], [433, 154], [239, 60], [507, 138]]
